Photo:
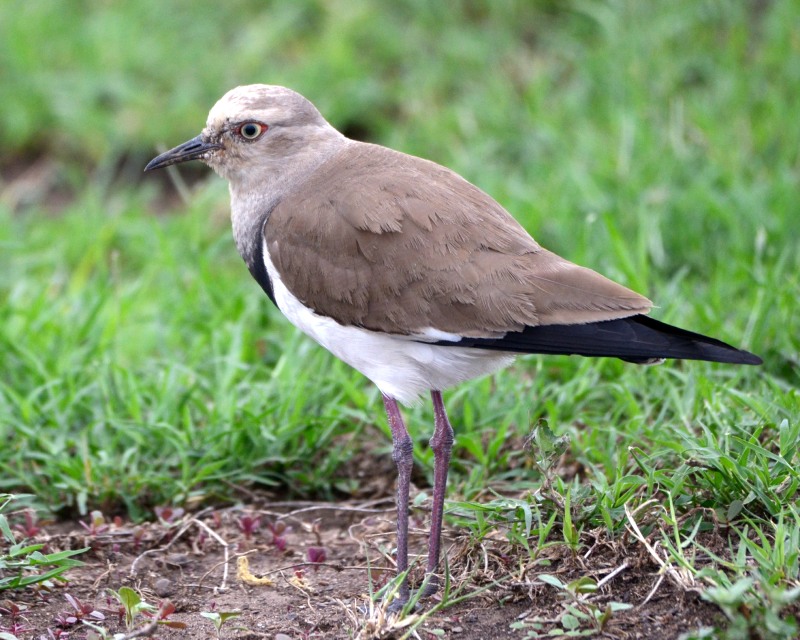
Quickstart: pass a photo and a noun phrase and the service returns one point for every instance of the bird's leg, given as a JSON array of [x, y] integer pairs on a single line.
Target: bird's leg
[[403, 456], [442, 445]]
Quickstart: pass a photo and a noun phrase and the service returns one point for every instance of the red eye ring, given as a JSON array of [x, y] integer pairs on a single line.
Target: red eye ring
[[251, 131]]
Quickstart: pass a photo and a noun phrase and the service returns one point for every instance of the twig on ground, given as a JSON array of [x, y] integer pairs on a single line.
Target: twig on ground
[[659, 580], [334, 507], [613, 574], [109, 567], [591, 549], [299, 504], [225, 547], [306, 508], [681, 581]]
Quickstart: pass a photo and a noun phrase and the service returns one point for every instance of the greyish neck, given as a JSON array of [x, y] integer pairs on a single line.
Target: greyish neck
[[256, 193]]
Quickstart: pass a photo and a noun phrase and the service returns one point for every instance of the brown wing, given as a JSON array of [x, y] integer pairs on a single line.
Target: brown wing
[[393, 243]]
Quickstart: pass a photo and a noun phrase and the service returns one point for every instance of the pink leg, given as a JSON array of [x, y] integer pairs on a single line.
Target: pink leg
[[442, 445], [403, 456]]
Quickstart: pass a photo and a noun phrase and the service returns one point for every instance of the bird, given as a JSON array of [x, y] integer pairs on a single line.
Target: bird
[[408, 273]]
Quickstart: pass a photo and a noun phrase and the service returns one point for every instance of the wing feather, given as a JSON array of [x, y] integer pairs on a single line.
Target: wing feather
[[393, 243]]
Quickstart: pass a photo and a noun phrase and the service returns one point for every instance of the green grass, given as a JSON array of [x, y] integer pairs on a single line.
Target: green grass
[[655, 142]]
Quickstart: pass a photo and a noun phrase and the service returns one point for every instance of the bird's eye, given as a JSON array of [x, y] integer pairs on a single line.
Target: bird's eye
[[251, 130]]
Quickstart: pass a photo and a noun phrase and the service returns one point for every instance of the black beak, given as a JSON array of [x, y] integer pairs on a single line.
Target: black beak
[[189, 150]]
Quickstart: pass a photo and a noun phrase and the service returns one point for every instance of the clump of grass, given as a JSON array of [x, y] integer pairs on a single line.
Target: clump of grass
[[23, 563]]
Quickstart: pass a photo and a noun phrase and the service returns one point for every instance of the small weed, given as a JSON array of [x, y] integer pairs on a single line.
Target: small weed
[[526, 524], [580, 617], [169, 515], [134, 608], [279, 530], [571, 535], [138, 537], [248, 524], [30, 527], [546, 450], [316, 555], [80, 612], [97, 524], [20, 563], [219, 618], [752, 604], [16, 624], [132, 605], [164, 611]]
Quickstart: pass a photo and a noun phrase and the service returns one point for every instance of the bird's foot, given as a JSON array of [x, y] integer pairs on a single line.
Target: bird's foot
[[413, 601], [430, 587], [397, 605]]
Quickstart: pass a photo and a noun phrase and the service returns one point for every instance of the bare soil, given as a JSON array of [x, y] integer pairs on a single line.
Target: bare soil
[[191, 560]]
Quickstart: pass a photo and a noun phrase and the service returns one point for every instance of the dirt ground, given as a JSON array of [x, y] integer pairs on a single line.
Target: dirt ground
[[194, 562]]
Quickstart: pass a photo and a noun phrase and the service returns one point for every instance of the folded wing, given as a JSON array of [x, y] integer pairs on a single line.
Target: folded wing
[[393, 243]]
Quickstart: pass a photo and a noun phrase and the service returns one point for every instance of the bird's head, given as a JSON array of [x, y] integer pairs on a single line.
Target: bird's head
[[254, 129]]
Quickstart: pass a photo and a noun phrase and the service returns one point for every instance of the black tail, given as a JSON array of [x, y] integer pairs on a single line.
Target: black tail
[[635, 339]]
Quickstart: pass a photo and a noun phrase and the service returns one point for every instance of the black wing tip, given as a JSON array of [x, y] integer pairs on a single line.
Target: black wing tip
[[707, 348], [745, 357], [638, 339], [731, 355]]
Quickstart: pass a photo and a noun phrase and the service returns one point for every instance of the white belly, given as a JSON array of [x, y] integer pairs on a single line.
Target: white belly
[[400, 367]]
